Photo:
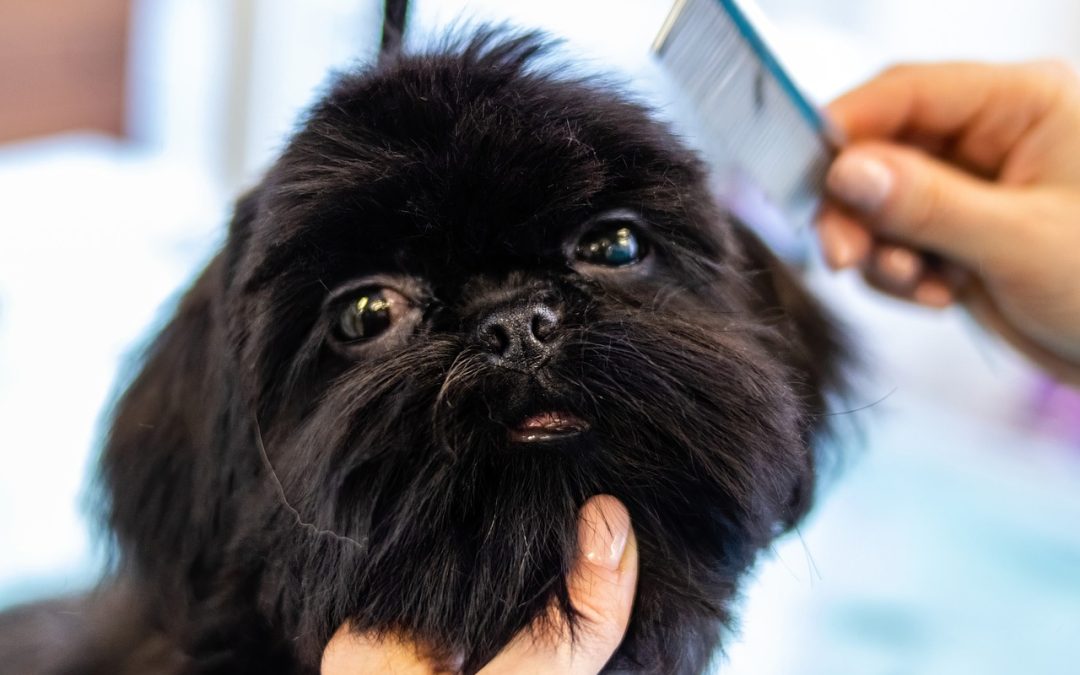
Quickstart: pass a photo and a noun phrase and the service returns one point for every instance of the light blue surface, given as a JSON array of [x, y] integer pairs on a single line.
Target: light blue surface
[[951, 546]]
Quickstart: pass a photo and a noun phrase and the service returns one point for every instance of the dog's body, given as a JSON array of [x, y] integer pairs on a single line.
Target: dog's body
[[469, 296]]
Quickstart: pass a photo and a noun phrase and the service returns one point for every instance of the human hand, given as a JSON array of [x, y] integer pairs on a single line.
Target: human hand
[[602, 587], [980, 165]]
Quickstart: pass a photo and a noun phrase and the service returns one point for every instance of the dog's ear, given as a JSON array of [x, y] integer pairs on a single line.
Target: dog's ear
[[809, 339], [160, 426], [164, 453]]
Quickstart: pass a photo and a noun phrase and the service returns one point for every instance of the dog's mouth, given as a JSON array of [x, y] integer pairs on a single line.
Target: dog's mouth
[[547, 426]]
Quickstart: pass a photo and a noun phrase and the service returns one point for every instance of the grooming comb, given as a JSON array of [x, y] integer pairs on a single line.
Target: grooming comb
[[769, 146]]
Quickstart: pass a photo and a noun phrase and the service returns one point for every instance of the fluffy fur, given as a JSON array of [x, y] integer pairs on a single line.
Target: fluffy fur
[[264, 487]]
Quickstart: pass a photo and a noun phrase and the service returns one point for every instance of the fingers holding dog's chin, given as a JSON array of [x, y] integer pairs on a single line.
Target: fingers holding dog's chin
[[351, 653], [602, 587]]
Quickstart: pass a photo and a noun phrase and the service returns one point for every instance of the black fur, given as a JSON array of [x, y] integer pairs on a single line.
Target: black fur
[[263, 488]]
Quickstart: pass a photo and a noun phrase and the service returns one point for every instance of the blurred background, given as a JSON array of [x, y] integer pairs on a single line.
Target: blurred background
[[949, 542]]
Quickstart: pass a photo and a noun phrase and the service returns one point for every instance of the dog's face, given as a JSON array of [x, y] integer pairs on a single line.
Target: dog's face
[[468, 297]]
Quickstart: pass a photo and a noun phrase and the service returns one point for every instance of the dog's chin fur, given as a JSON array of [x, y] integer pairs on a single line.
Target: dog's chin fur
[[265, 486]]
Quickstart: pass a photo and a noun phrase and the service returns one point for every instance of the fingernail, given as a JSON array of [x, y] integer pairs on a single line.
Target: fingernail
[[603, 527], [933, 294], [901, 265], [859, 180], [839, 252]]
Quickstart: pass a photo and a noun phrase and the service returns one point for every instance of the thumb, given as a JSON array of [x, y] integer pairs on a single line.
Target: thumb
[[601, 586], [906, 196]]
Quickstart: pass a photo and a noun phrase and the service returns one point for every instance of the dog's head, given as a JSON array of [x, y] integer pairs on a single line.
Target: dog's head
[[470, 295]]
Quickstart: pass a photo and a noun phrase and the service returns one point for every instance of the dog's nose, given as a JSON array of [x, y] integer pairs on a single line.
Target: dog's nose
[[521, 336]]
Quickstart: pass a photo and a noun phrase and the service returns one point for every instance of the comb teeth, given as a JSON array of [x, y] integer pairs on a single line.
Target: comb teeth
[[758, 126]]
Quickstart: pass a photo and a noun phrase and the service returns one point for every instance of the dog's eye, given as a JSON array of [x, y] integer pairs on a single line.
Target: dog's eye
[[370, 313], [612, 244]]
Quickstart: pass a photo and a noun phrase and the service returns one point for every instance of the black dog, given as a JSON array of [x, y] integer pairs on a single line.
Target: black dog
[[469, 295]]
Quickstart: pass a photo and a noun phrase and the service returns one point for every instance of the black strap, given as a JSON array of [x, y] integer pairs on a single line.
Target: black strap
[[394, 16]]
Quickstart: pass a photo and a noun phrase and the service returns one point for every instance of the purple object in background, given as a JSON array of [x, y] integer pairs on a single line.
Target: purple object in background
[[1055, 409]]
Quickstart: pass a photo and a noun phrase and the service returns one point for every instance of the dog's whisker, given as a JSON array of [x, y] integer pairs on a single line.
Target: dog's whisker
[[279, 490]]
